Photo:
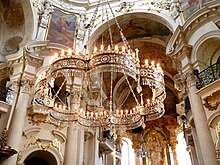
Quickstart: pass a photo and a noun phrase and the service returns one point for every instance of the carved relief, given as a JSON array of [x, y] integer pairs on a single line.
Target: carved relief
[[44, 11], [14, 15], [157, 5], [174, 8], [40, 118], [41, 144], [37, 118], [125, 7], [12, 45], [212, 102]]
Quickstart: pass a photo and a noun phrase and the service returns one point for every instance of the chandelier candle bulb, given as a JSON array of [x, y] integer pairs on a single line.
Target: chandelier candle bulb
[[95, 49], [137, 56], [126, 111], [148, 101], [123, 49], [146, 63], [116, 48], [62, 52], [133, 55], [158, 66], [101, 48], [152, 64], [56, 55], [154, 93], [70, 52], [109, 48], [77, 51]]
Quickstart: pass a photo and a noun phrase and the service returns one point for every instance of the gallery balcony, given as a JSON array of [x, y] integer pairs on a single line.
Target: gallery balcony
[[207, 76]]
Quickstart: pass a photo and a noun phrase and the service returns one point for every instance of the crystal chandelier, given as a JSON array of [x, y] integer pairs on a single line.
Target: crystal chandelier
[[112, 60]]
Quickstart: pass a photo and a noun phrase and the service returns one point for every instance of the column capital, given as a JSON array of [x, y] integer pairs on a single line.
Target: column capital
[[190, 77], [26, 85]]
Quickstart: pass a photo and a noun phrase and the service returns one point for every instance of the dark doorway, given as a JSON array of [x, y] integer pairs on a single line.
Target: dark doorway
[[36, 161], [40, 158]]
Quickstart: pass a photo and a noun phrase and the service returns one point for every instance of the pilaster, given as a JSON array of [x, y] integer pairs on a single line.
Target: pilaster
[[204, 135]]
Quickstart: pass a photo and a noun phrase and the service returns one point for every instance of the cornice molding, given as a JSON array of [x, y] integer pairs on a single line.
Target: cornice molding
[[183, 33]]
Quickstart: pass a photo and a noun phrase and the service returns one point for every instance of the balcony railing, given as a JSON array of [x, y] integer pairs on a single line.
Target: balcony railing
[[208, 75]]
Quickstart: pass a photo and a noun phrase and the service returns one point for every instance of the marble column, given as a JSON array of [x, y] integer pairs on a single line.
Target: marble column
[[75, 137], [203, 132], [16, 127], [198, 150], [173, 148], [193, 156]]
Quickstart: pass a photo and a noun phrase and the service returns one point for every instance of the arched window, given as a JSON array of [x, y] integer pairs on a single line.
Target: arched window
[[182, 154], [127, 152]]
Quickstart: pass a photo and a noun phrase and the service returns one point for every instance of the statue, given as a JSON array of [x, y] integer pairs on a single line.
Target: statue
[[155, 151], [45, 12], [80, 32], [81, 27], [174, 8]]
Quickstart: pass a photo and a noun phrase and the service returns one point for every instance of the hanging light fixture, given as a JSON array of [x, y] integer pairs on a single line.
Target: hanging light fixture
[[108, 59]]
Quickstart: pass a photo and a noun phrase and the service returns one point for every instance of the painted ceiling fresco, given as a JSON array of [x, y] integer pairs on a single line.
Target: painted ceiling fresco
[[134, 28], [189, 7]]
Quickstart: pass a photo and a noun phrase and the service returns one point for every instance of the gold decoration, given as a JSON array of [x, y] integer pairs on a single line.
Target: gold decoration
[[212, 102], [33, 140]]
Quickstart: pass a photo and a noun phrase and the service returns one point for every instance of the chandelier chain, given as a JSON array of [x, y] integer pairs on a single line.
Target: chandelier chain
[[124, 40], [109, 29], [132, 91]]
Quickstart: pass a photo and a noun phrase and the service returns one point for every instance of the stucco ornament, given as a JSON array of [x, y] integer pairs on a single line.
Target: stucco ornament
[[157, 5], [174, 8], [44, 11], [125, 7]]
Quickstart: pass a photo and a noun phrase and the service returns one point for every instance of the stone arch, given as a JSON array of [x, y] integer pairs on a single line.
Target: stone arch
[[207, 49], [158, 17], [127, 147], [41, 157], [30, 22], [57, 157], [213, 119]]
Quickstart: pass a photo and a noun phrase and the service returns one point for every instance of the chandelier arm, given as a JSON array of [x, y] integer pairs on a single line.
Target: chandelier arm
[[56, 95]]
